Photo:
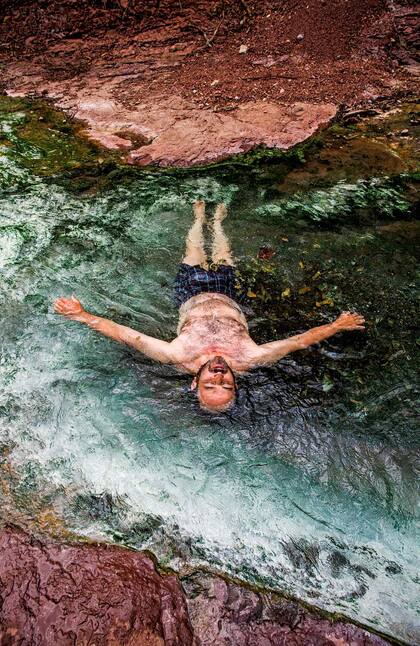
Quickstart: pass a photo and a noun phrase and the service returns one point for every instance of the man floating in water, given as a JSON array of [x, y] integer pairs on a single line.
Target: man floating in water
[[213, 341]]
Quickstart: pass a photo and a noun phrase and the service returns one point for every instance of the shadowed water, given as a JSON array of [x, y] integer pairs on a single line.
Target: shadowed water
[[309, 485]]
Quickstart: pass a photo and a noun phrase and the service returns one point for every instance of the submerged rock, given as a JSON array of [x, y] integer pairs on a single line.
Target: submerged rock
[[84, 594]]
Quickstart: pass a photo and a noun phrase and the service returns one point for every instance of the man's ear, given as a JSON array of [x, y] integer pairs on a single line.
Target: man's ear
[[194, 384]]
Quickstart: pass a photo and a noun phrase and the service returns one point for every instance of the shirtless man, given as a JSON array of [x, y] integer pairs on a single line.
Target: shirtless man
[[213, 341]]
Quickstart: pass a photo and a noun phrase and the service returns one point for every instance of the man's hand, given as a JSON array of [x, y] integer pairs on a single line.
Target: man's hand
[[349, 321], [271, 352], [69, 307]]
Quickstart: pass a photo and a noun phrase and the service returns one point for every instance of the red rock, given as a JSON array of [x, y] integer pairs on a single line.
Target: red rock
[[54, 595], [202, 137], [110, 141], [225, 613], [180, 132], [61, 595]]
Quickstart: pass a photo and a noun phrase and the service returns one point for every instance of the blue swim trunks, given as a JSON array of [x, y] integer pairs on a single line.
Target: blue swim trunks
[[193, 279]]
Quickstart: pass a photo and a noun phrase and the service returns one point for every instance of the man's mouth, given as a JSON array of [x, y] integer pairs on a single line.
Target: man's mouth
[[218, 365]]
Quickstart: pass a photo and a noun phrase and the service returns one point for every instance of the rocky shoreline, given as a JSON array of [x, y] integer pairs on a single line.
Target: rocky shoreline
[[85, 593], [147, 86]]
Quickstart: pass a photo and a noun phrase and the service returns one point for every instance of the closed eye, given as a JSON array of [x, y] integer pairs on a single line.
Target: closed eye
[[211, 386]]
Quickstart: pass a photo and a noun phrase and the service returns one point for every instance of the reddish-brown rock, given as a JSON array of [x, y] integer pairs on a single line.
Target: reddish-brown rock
[[52, 595], [225, 613], [203, 136], [175, 132], [84, 594], [166, 84]]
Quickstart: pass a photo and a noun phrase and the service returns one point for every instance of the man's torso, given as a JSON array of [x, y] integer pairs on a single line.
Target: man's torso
[[211, 324]]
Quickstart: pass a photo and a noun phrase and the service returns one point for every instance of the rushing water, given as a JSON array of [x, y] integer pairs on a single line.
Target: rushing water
[[309, 487]]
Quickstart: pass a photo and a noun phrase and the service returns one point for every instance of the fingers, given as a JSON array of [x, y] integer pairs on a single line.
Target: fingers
[[63, 305], [354, 315], [351, 321]]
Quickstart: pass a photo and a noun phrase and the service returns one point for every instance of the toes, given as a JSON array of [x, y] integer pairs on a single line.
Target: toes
[[199, 205], [221, 212]]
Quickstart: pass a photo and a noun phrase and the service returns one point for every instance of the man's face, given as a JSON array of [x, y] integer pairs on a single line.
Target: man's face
[[215, 384]]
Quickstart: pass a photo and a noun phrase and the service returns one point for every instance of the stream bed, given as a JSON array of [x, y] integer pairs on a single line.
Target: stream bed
[[309, 487]]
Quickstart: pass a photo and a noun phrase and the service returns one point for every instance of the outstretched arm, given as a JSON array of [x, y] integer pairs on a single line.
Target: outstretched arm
[[271, 352], [156, 349]]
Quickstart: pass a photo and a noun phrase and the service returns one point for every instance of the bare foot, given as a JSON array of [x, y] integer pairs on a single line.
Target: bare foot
[[220, 212], [199, 208]]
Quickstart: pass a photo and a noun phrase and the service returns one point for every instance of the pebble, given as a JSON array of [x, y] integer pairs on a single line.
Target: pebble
[[243, 49], [300, 36]]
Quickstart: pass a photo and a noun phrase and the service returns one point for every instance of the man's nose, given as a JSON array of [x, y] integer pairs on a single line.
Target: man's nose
[[218, 377]]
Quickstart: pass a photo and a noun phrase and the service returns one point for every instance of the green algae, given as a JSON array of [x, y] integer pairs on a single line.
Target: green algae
[[46, 141], [51, 145]]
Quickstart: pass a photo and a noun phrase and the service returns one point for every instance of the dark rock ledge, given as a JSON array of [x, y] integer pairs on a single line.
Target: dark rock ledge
[[96, 594]]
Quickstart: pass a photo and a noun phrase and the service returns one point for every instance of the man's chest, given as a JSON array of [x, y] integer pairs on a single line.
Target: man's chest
[[199, 343]]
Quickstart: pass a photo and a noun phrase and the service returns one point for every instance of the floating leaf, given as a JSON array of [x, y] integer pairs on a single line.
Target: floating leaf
[[325, 301], [265, 253], [316, 275], [327, 384], [251, 294], [304, 290], [285, 239], [285, 293], [301, 264]]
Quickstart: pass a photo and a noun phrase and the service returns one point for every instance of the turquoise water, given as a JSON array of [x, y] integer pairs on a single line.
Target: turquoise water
[[309, 487]]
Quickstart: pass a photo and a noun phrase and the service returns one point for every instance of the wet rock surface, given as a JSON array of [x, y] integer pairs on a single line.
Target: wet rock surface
[[80, 594], [225, 613], [85, 594]]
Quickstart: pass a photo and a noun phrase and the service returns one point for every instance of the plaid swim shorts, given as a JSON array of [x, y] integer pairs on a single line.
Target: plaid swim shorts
[[193, 279]]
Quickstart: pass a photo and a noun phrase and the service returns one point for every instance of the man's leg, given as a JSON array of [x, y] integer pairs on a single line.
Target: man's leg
[[194, 253], [221, 252]]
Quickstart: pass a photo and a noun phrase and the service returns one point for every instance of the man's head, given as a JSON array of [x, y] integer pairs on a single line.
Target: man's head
[[215, 385]]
